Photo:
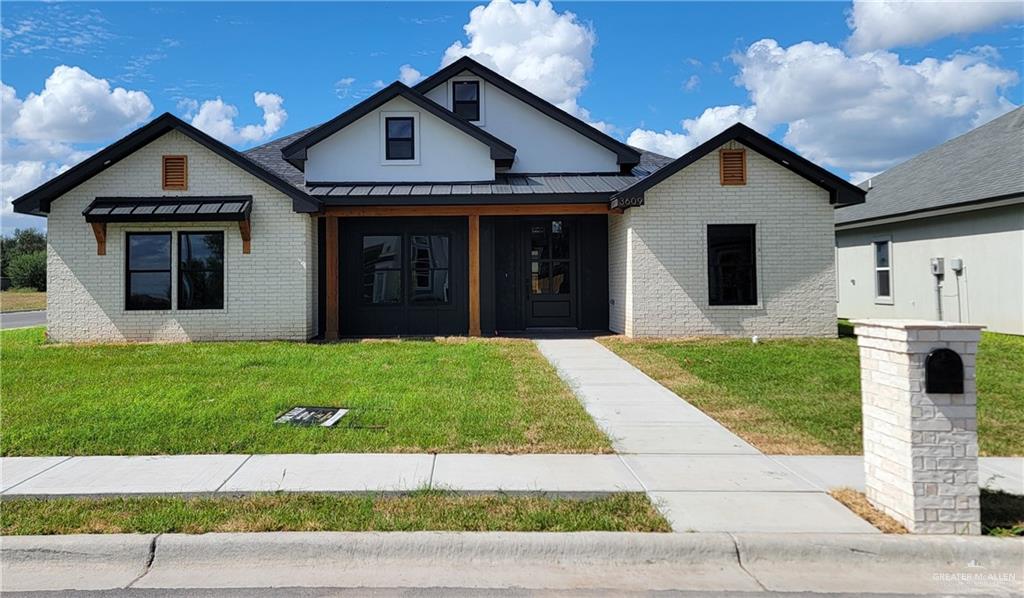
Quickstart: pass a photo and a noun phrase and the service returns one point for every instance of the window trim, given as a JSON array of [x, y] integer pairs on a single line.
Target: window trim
[[875, 268], [128, 271], [481, 85], [758, 269], [384, 160], [181, 271]]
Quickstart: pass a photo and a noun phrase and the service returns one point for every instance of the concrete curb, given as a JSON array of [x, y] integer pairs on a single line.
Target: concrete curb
[[81, 562], [625, 561]]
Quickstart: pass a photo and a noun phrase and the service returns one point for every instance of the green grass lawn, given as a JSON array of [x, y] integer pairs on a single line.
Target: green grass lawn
[[407, 396], [21, 300], [802, 396], [421, 511]]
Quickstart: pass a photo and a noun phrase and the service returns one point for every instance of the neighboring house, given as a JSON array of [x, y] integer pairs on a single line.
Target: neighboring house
[[942, 235], [463, 205]]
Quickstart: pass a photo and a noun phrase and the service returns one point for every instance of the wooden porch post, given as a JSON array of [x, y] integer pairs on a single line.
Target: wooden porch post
[[474, 275], [331, 329]]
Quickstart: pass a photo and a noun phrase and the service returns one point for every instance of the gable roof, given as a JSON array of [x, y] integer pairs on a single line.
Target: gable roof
[[37, 201], [841, 191], [295, 152], [985, 164], [627, 155]]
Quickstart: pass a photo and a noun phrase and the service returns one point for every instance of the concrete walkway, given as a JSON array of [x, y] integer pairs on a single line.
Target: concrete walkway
[[703, 477]]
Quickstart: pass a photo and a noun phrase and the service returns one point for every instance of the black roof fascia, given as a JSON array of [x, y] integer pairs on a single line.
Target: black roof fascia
[[295, 152], [459, 200], [242, 214], [627, 156], [37, 202], [841, 191]]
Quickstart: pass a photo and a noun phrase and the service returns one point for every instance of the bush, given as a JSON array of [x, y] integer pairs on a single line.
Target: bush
[[28, 270]]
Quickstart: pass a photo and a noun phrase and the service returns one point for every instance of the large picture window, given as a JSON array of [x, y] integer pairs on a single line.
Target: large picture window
[[466, 99], [148, 271], [400, 142], [201, 270], [382, 269], [428, 256], [732, 264], [883, 271]]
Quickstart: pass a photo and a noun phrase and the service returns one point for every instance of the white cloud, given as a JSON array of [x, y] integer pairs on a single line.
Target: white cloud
[[409, 75], [860, 113], [695, 130], [39, 135], [692, 83], [884, 24], [543, 50], [74, 106], [217, 118], [343, 86]]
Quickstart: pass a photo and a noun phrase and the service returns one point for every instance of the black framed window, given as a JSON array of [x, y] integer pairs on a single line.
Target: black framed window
[[428, 268], [883, 270], [732, 264], [382, 269], [466, 99], [400, 141], [148, 271], [201, 270]]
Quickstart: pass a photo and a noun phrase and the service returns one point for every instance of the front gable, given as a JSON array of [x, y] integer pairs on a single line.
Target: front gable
[[358, 153], [543, 143]]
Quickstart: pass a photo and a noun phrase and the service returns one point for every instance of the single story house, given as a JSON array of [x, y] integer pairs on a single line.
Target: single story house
[[941, 236], [462, 205]]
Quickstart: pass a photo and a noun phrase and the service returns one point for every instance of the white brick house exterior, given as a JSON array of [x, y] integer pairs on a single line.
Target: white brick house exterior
[[417, 240], [658, 283], [269, 293]]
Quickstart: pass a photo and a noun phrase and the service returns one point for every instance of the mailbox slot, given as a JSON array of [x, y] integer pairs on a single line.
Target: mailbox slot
[[944, 372]]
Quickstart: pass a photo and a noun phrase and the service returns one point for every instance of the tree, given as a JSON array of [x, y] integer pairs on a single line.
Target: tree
[[27, 240], [28, 270]]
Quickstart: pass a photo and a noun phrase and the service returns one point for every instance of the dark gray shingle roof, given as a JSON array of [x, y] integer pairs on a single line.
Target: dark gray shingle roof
[[984, 163]]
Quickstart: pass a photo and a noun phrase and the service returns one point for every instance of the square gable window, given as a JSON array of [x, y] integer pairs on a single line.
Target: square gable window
[[466, 100], [400, 142]]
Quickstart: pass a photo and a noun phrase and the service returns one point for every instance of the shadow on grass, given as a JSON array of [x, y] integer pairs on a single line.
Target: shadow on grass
[[1002, 513]]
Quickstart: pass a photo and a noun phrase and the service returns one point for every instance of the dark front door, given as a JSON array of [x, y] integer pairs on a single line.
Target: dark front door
[[551, 272]]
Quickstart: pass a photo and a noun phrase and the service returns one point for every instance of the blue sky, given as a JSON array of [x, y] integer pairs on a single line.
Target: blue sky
[[637, 70]]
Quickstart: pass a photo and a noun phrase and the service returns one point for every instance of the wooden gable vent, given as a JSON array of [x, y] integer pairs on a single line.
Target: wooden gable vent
[[733, 166], [175, 173]]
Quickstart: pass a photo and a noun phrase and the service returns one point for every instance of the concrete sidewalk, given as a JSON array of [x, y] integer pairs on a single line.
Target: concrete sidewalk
[[22, 319], [347, 472], [603, 561]]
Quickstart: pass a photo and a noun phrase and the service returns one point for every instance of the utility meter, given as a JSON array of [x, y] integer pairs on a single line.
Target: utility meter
[[938, 266]]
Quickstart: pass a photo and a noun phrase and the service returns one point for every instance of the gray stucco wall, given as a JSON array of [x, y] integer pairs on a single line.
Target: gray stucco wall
[[989, 290], [270, 293], [658, 270]]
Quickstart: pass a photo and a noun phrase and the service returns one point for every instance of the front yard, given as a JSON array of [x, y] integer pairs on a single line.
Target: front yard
[[802, 396], [407, 396]]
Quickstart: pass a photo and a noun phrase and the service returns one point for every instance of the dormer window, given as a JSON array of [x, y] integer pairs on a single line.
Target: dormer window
[[466, 99], [400, 143]]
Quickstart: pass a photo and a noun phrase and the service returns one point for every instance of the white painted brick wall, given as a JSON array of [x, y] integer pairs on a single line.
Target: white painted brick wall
[[920, 449], [269, 293], [658, 281]]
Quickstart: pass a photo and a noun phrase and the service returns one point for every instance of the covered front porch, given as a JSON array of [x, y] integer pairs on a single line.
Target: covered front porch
[[473, 269]]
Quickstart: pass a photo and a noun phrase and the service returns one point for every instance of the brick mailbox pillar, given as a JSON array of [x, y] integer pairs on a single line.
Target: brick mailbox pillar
[[920, 422]]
